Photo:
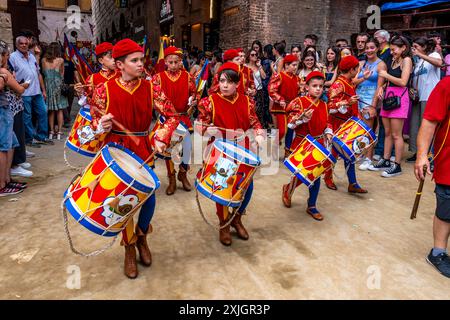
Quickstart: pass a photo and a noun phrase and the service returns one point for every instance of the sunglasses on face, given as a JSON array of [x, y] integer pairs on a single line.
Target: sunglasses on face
[[252, 54]]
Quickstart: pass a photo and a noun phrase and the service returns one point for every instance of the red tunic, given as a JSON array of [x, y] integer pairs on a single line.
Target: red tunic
[[339, 94], [99, 78], [283, 87], [314, 127], [178, 88], [236, 114], [438, 110], [132, 107]]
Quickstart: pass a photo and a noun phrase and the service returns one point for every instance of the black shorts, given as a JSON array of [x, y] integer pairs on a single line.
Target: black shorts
[[443, 202]]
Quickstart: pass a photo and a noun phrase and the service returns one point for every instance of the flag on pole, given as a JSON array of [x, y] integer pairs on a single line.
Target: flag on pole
[[163, 43], [147, 58], [202, 78], [81, 65]]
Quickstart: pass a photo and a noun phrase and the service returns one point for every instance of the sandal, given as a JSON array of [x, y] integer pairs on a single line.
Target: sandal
[[51, 134], [59, 134]]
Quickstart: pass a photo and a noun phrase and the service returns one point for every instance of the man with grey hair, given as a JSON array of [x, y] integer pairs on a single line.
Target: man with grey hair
[[384, 53], [27, 70]]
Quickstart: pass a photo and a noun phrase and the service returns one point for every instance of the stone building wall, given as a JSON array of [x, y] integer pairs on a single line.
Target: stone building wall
[[5, 24]]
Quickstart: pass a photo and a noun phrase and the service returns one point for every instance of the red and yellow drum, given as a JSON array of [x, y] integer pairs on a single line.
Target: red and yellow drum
[[82, 137], [110, 190], [309, 161], [226, 173], [352, 138]]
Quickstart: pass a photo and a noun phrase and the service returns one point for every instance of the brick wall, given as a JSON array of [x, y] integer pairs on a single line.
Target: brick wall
[[5, 24], [274, 20]]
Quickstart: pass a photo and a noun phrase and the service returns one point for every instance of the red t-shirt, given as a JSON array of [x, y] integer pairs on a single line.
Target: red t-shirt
[[438, 109]]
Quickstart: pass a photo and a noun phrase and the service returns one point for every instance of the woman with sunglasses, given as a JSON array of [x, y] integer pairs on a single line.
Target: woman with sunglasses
[[254, 63]]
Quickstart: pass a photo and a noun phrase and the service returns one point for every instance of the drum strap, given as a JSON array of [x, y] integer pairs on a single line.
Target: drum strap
[[134, 134]]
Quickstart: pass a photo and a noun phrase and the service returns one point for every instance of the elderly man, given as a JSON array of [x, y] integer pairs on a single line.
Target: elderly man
[[384, 53], [27, 70]]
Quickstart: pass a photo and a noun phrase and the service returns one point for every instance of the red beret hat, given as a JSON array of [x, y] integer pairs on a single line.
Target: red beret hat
[[103, 48], [125, 47], [239, 50], [290, 58], [229, 66], [314, 74], [172, 50], [348, 62], [230, 55]]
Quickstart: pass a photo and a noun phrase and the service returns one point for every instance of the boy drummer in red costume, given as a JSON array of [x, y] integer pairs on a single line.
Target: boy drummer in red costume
[[129, 100], [308, 115], [103, 51], [342, 105], [234, 111], [283, 88], [181, 92]]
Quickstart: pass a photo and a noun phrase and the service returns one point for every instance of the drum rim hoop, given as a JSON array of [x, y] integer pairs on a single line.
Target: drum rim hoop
[[222, 148], [79, 150], [85, 113], [123, 175], [365, 126]]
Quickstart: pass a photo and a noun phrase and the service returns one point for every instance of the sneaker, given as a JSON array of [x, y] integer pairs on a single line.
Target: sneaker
[[413, 158], [365, 164], [19, 171], [441, 262], [6, 191], [376, 157], [33, 144], [25, 165], [30, 154], [382, 164], [393, 171]]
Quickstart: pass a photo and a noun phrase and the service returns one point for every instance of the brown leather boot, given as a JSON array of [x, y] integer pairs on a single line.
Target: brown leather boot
[[286, 196], [240, 229], [182, 176], [130, 264], [225, 235], [142, 246], [172, 184], [329, 180]]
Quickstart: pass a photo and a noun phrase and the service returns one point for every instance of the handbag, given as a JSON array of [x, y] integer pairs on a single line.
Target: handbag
[[391, 101]]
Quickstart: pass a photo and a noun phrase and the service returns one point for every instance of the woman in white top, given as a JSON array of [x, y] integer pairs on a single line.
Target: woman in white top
[[426, 75], [254, 63]]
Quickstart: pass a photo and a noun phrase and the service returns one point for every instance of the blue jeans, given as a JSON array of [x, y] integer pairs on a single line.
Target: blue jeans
[[35, 104]]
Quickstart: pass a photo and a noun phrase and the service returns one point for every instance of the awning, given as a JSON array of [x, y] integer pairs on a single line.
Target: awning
[[411, 4]]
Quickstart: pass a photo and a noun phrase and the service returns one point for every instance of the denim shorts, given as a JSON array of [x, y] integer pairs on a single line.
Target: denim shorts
[[8, 139], [443, 202]]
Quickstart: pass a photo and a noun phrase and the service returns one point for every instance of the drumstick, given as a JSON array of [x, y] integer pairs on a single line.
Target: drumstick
[[119, 125], [349, 95], [418, 194], [305, 110], [149, 157]]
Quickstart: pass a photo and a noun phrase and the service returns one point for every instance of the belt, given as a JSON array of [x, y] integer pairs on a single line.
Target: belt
[[133, 134], [315, 137]]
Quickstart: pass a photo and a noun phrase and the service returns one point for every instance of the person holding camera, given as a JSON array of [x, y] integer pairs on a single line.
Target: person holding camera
[[426, 76]]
